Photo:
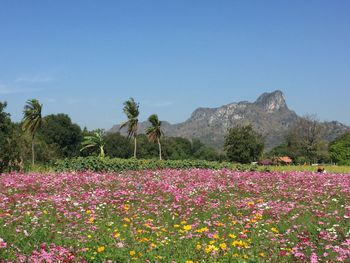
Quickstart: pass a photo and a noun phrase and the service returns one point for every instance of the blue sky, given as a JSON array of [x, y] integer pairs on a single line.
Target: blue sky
[[85, 58]]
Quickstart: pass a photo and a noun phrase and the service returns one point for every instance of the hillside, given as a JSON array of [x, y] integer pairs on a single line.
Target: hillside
[[269, 115]]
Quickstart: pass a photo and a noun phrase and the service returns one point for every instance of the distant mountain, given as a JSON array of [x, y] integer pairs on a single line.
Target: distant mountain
[[269, 115]]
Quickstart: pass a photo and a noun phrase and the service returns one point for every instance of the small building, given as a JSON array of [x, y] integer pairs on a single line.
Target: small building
[[284, 160]]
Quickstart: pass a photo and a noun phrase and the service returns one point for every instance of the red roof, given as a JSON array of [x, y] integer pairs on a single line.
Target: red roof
[[285, 159]]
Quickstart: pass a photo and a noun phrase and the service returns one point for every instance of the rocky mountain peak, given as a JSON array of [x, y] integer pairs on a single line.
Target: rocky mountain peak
[[269, 115], [272, 102]]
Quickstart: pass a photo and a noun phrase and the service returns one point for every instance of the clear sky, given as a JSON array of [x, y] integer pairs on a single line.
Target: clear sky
[[85, 58]]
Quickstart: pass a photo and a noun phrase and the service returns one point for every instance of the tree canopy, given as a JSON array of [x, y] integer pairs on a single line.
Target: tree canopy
[[243, 144], [339, 149], [131, 110], [61, 134]]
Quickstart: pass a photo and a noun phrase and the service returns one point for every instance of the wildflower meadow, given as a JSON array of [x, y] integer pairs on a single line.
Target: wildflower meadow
[[194, 215]]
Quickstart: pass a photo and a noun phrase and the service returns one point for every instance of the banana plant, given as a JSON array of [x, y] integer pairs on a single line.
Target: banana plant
[[95, 141]]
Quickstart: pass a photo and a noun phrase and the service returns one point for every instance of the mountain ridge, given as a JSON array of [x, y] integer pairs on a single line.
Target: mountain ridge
[[268, 114]]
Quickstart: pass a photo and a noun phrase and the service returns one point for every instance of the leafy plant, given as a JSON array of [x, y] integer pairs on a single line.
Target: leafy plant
[[154, 132], [131, 109], [32, 120], [95, 141], [243, 144]]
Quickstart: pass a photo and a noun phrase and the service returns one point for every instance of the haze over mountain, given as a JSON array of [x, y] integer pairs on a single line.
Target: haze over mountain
[[269, 115]]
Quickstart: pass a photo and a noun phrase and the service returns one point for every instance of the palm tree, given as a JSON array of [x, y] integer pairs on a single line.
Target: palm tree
[[96, 141], [154, 132], [32, 120], [131, 109]]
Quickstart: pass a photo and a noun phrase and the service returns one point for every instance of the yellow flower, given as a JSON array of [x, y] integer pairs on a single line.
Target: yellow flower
[[240, 243], [232, 236], [258, 216], [198, 246], [235, 255], [183, 222], [223, 246], [189, 261], [210, 248], [91, 219], [127, 220], [275, 230], [251, 203], [215, 236], [187, 227], [89, 236], [201, 230], [153, 245], [88, 212], [116, 235], [132, 253], [261, 254], [45, 212], [101, 249], [126, 207], [176, 226]]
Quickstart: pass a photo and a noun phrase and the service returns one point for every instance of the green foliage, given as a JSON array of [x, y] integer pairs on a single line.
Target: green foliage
[[154, 132], [32, 120], [177, 148], [243, 144], [146, 150], [280, 150], [304, 141], [340, 149], [117, 146], [131, 109], [6, 128], [208, 153], [115, 164], [61, 135], [95, 141]]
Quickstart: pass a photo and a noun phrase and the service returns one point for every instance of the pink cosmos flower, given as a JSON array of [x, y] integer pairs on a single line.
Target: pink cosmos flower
[[3, 244], [313, 258]]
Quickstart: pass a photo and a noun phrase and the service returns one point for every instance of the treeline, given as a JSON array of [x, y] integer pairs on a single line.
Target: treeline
[[305, 142], [57, 137], [44, 140]]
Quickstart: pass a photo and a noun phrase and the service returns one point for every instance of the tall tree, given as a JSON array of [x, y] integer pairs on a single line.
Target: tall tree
[[61, 134], [5, 134], [95, 141], [32, 120], [154, 132], [340, 149], [305, 139], [131, 109], [243, 144]]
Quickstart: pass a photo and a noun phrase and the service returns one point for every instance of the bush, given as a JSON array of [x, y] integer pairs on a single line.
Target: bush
[[243, 144], [97, 164]]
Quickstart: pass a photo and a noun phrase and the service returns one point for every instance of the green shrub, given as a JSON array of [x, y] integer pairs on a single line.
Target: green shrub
[[97, 164]]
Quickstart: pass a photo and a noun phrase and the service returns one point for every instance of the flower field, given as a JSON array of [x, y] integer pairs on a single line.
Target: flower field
[[195, 215]]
